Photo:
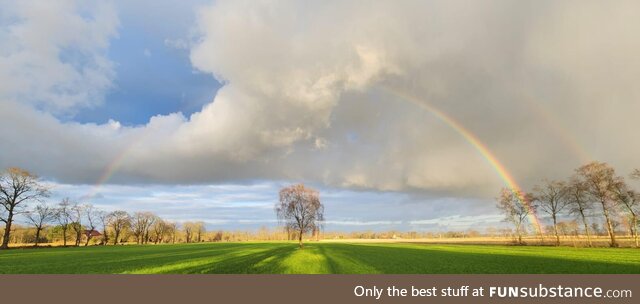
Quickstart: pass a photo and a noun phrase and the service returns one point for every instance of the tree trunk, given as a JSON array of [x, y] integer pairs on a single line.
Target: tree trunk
[[7, 230], [555, 230], [586, 228], [634, 228], [88, 239], [116, 236], [64, 236], [38, 229], [612, 233], [300, 239]]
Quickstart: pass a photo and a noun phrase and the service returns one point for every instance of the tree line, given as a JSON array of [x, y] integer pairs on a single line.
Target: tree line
[[80, 223], [594, 191]]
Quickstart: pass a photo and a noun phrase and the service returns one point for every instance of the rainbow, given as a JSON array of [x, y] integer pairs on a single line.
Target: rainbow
[[472, 139], [110, 169]]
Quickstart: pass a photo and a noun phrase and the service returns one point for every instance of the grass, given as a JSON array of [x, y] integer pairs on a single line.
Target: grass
[[348, 258]]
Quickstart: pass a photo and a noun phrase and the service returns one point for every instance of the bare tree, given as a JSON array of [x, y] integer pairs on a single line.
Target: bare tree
[[300, 208], [63, 217], [17, 187], [140, 225], [172, 230], [119, 221], [91, 215], [629, 201], [516, 207], [76, 221], [188, 228], [39, 217], [601, 180], [579, 203], [550, 197], [200, 229], [103, 218], [159, 230]]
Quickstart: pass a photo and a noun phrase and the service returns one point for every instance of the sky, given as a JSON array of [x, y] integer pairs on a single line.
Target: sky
[[406, 115]]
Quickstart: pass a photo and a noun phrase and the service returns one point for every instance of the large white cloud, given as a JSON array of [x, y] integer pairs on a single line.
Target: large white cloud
[[310, 93], [53, 53]]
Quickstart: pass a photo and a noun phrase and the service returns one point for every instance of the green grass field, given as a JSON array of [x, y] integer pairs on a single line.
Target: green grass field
[[393, 258]]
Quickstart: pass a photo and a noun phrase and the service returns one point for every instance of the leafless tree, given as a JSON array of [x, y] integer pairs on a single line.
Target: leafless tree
[[172, 230], [140, 225], [17, 187], [63, 217], [200, 229], [91, 215], [579, 203], [76, 221], [103, 218], [188, 228], [119, 221], [629, 201], [516, 207], [550, 197], [300, 208], [159, 230], [39, 217], [601, 180]]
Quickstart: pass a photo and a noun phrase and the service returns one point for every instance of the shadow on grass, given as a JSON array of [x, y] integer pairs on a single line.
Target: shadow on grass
[[352, 258]]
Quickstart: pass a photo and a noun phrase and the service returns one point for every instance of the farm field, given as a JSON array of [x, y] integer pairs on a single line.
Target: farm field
[[319, 258]]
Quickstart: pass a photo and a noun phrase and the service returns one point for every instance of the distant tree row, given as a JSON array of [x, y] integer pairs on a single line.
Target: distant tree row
[[594, 190]]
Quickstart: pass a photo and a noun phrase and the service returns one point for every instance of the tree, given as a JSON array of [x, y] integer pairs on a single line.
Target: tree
[[63, 217], [76, 221], [159, 230], [172, 230], [140, 225], [601, 180], [629, 201], [40, 216], [579, 203], [516, 207], [91, 215], [188, 228], [17, 187], [103, 218], [300, 209], [550, 197], [200, 229], [119, 221]]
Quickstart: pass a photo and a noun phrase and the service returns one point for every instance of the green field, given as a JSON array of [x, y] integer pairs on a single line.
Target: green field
[[391, 258]]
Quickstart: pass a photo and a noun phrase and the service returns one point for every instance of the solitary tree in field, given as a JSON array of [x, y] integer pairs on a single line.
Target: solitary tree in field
[[119, 221], [579, 203], [601, 180], [550, 197], [40, 216], [17, 187], [516, 207], [300, 209]]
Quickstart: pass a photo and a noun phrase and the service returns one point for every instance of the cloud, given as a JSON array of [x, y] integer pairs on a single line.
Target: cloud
[[318, 93], [53, 55]]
